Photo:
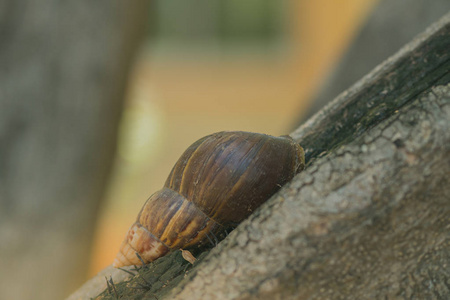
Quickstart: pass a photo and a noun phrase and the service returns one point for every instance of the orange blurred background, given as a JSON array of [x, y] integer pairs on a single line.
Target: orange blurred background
[[181, 90]]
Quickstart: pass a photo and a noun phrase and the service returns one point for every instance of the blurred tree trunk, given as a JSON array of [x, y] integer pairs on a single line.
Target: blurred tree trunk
[[63, 72]]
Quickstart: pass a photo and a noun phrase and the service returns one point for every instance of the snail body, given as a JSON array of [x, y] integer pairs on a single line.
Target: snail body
[[217, 182]]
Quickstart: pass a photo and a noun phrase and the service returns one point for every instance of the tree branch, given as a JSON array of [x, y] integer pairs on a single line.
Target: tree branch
[[368, 218]]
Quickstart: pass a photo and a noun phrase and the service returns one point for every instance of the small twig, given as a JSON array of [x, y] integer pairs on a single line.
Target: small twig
[[113, 286], [109, 287], [144, 265], [131, 273], [210, 240], [136, 268], [216, 240]]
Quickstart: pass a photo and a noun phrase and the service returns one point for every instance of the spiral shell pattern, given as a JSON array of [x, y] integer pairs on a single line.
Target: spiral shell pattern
[[217, 182]]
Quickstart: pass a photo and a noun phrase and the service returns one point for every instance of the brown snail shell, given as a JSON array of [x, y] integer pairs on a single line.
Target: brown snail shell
[[217, 182]]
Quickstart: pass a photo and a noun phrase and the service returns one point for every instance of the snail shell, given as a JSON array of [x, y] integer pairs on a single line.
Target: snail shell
[[217, 182]]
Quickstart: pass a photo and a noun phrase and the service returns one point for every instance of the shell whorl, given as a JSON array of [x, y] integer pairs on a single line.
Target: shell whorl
[[217, 182], [215, 171]]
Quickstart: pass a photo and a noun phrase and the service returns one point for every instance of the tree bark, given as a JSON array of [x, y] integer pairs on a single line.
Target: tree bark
[[367, 219], [63, 72]]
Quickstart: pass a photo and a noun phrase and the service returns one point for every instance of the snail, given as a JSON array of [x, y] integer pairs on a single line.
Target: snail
[[216, 183]]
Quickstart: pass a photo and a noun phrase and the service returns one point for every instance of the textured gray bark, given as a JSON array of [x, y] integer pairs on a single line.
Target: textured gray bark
[[368, 221], [369, 216], [63, 72]]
